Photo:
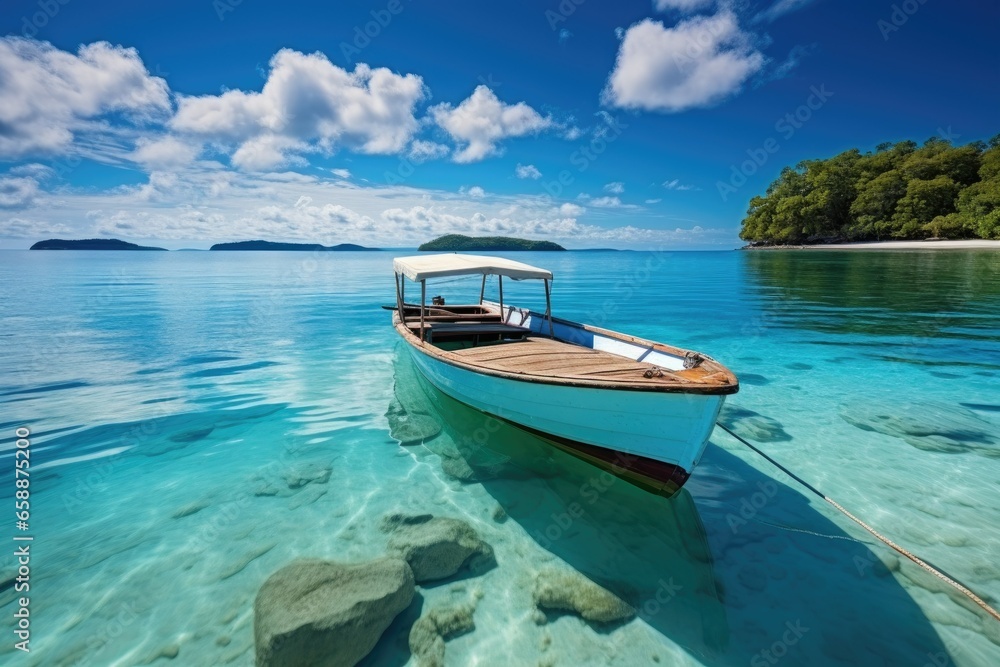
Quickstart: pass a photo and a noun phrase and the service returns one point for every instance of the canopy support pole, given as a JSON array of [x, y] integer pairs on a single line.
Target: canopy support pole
[[548, 308], [399, 299], [482, 290], [500, 281], [423, 299]]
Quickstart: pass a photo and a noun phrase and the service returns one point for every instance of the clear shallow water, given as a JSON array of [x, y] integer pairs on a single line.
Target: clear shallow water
[[163, 390]]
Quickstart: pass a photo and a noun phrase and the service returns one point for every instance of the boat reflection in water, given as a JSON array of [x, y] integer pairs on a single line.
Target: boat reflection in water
[[649, 550], [723, 568]]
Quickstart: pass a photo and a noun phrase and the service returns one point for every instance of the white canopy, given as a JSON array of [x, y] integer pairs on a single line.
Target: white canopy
[[422, 267]]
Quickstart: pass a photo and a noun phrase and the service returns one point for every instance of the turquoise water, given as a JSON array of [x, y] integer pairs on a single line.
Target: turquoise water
[[165, 390]]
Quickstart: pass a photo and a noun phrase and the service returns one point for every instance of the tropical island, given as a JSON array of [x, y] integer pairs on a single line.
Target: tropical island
[[271, 245], [900, 191], [460, 243], [89, 244]]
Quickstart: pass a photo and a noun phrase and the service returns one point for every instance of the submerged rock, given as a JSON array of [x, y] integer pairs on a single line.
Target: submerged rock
[[307, 497], [169, 651], [306, 473], [410, 427], [752, 425], [934, 427], [428, 634], [469, 462], [571, 591], [437, 547], [328, 614], [239, 563], [190, 508], [458, 468], [391, 522], [291, 480], [263, 487]]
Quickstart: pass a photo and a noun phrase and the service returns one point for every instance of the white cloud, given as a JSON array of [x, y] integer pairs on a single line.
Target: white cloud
[[323, 223], [481, 121], [615, 187], [165, 152], [653, 201], [49, 95], [696, 63], [606, 202], [20, 228], [783, 69], [34, 170], [683, 6], [422, 151], [206, 204], [527, 171], [102, 103], [675, 184], [572, 133], [18, 192], [424, 222], [426, 219], [269, 151], [307, 104], [780, 8]]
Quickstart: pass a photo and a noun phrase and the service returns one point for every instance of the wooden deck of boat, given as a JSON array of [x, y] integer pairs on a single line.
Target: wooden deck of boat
[[553, 359]]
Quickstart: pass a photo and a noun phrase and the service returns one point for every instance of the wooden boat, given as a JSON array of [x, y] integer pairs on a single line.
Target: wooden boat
[[641, 409]]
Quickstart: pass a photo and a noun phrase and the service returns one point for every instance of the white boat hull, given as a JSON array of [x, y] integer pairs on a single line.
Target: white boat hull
[[672, 428]]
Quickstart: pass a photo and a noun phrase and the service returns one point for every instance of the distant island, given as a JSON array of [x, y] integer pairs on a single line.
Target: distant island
[[459, 242], [90, 244], [271, 245], [899, 192]]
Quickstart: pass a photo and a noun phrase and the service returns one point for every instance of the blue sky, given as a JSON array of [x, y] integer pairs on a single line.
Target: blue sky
[[596, 124]]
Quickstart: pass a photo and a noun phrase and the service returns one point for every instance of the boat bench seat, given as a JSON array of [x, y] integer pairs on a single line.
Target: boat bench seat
[[470, 318], [452, 330], [411, 309]]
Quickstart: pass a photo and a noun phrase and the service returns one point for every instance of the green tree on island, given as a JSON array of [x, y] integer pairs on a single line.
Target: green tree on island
[[900, 191], [460, 243]]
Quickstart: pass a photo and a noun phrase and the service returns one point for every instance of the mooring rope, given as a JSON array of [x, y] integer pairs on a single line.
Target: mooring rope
[[937, 572], [809, 532]]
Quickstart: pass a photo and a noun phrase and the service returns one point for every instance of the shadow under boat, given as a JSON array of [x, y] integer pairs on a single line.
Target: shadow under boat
[[729, 585]]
